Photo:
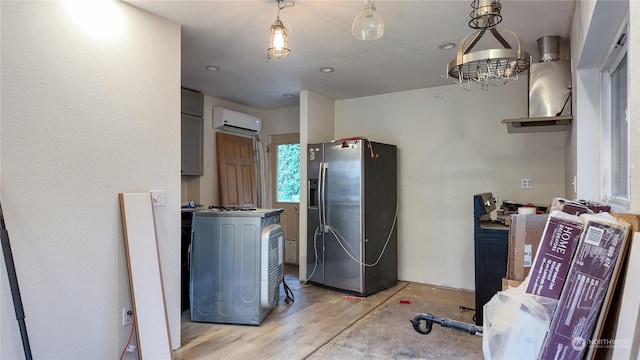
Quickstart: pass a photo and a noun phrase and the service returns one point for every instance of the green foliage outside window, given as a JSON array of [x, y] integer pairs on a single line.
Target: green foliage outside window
[[288, 173]]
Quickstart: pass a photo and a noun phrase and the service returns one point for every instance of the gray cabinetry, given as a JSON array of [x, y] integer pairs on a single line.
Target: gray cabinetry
[[192, 129], [192, 102]]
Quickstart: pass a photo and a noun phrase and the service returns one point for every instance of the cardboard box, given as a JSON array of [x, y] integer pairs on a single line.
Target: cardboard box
[[551, 265], [588, 282], [525, 233], [509, 283], [613, 313]]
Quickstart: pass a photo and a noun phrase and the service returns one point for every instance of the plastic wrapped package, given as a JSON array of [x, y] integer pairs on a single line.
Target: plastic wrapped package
[[588, 283], [553, 258], [515, 324]]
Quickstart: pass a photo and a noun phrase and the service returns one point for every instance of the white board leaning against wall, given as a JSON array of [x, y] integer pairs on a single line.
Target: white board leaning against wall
[[145, 277]]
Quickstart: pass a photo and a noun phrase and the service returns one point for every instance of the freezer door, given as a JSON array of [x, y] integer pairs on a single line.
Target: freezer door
[[315, 255], [343, 240]]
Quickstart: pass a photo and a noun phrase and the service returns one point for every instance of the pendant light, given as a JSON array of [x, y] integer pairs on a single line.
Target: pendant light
[[492, 66], [278, 38], [368, 25]]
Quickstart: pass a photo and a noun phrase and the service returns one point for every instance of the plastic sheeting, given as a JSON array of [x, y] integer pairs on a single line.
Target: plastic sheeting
[[515, 324]]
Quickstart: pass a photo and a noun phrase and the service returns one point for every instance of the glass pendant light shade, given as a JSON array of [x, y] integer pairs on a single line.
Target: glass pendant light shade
[[368, 25], [278, 41]]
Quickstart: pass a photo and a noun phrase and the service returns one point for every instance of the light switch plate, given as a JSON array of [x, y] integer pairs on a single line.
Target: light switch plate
[[526, 183], [159, 198]]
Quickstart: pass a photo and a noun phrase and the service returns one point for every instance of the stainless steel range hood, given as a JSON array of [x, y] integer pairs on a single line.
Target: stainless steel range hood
[[549, 92]]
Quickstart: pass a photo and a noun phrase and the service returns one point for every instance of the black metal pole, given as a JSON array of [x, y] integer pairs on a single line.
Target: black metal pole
[[15, 290]]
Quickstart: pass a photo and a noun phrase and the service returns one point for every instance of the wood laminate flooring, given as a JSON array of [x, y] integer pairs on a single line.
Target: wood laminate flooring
[[327, 324]]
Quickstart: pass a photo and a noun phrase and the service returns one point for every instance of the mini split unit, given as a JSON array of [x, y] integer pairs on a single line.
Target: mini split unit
[[234, 121]]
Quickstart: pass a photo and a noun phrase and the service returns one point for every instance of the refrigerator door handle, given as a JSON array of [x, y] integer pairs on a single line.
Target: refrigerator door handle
[[319, 195], [323, 210]]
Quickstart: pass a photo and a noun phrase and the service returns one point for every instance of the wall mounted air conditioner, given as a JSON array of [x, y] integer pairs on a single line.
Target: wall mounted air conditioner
[[234, 121]]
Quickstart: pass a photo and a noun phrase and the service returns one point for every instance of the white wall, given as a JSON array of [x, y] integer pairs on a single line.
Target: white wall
[[275, 122], [317, 124], [594, 27], [84, 117], [449, 150], [204, 189], [280, 121], [585, 148], [634, 105]]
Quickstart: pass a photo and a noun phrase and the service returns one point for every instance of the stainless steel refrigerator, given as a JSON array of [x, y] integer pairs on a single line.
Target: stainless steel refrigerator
[[352, 215]]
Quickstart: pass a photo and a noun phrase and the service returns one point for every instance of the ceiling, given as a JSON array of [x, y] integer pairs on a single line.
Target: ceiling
[[232, 35]]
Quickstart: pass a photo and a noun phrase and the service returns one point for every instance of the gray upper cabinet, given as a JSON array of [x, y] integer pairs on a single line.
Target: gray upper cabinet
[[192, 103], [192, 130]]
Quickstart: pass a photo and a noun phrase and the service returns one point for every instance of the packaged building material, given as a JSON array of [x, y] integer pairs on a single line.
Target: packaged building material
[[553, 258], [579, 207], [588, 281], [615, 315], [525, 233]]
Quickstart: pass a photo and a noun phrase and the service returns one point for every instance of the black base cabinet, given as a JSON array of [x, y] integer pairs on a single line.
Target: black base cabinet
[[491, 247], [491, 266], [184, 259]]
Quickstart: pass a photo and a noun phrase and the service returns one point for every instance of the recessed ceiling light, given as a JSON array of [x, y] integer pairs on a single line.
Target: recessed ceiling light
[[212, 68], [446, 46], [288, 95], [326, 69]]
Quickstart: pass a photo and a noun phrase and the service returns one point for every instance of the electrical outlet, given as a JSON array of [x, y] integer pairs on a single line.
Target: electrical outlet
[[126, 316], [131, 348], [526, 183]]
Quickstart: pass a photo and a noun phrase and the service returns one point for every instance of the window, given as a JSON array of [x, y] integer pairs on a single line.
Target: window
[[288, 173], [619, 131], [615, 126]]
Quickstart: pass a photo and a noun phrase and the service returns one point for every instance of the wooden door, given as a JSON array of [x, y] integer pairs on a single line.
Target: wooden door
[[285, 164], [236, 170]]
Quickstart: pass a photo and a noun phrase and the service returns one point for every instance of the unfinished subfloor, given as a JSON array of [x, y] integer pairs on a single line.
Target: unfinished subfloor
[[324, 324]]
